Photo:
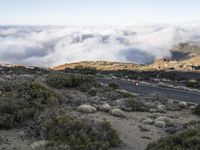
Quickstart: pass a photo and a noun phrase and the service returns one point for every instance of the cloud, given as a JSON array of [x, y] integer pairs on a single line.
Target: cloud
[[54, 45]]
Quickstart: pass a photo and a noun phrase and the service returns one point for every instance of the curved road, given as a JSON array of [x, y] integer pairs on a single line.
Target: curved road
[[169, 93]]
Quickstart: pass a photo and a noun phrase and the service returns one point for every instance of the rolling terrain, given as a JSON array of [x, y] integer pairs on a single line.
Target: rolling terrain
[[97, 105], [185, 57], [53, 109]]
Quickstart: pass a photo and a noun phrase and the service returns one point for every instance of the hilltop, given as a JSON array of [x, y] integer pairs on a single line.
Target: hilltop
[[185, 57], [190, 64]]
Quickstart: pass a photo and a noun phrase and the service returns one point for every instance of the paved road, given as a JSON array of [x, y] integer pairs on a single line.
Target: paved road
[[169, 93]]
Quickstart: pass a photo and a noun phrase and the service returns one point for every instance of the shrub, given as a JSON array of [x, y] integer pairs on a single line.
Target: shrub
[[113, 85], [79, 134], [188, 139], [85, 70], [125, 94], [136, 105], [22, 102], [92, 92], [18, 69], [59, 81], [192, 83], [197, 110], [132, 76]]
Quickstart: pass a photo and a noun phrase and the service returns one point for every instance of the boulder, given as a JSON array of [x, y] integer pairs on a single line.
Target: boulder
[[86, 109], [148, 121], [182, 104], [21, 135], [123, 104], [149, 105], [161, 108], [165, 119], [170, 102], [160, 124], [38, 145], [192, 107], [117, 112], [152, 110], [105, 107]]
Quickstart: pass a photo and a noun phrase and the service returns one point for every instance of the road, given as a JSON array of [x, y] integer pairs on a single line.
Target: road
[[169, 93]]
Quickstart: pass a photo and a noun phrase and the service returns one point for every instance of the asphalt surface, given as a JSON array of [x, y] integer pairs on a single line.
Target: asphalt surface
[[169, 93]]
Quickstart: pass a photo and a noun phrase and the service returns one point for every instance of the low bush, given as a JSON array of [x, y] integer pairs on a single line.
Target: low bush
[[136, 105], [22, 102], [85, 70], [125, 94], [113, 85], [192, 83], [132, 76], [59, 80], [197, 110], [78, 134], [24, 70], [185, 140], [92, 92]]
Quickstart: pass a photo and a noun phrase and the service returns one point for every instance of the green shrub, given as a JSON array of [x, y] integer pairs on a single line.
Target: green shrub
[[19, 69], [85, 70], [23, 101], [113, 85], [185, 140], [79, 134], [60, 80], [7, 121], [192, 83], [136, 105], [92, 92], [125, 94], [132, 76], [197, 110]]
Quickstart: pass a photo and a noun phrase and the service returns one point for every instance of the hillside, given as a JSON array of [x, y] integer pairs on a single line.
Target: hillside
[[191, 64], [51, 110], [185, 51]]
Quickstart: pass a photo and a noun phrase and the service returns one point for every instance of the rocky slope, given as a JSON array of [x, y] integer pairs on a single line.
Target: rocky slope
[[190, 64]]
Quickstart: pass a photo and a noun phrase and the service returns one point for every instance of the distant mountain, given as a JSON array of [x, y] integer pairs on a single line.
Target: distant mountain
[[185, 51]]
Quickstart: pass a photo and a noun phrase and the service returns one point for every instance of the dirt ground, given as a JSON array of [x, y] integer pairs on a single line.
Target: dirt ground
[[11, 140], [132, 136], [129, 128]]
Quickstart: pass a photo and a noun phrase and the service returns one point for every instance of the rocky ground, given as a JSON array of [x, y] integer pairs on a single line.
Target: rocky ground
[[185, 65], [139, 120]]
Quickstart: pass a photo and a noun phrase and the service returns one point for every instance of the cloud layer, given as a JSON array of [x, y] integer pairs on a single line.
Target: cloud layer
[[54, 45]]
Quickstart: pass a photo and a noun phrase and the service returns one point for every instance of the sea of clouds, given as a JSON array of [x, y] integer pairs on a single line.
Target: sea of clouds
[[54, 45]]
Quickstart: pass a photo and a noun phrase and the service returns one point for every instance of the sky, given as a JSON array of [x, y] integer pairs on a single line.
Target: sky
[[95, 12]]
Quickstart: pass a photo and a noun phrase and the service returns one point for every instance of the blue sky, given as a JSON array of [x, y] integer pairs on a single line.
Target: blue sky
[[91, 12]]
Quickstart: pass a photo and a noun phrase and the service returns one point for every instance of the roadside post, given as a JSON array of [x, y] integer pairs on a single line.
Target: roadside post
[[136, 86]]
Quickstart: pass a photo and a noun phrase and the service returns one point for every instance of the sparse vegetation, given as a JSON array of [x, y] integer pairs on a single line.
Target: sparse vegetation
[[19, 70], [136, 105], [92, 92], [113, 85], [85, 70], [59, 110], [61, 80], [78, 134], [197, 110], [188, 139], [21, 100], [192, 83]]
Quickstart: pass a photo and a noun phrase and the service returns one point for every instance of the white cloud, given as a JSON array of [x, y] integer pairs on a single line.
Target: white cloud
[[49, 46]]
